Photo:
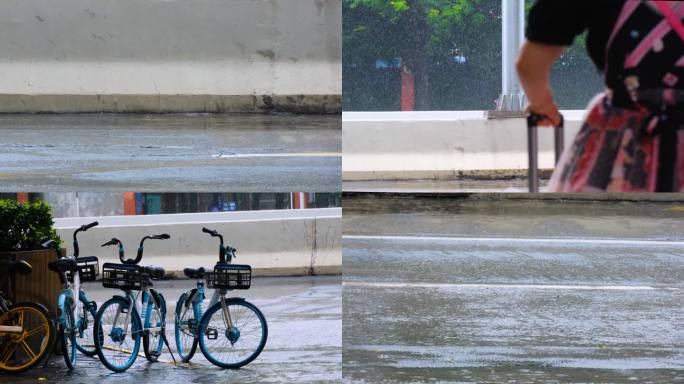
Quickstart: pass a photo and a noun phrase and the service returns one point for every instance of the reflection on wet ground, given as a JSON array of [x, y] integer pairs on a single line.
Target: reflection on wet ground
[[304, 340], [500, 291], [257, 153]]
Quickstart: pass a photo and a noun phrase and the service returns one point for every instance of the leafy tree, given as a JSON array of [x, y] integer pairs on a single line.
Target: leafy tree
[[428, 35], [25, 226], [425, 34]]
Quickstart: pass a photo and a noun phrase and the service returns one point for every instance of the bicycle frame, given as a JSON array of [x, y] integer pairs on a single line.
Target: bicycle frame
[[132, 306], [69, 290], [218, 296]]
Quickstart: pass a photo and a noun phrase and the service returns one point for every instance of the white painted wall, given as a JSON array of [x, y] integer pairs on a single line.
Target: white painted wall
[[214, 47], [279, 242], [413, 145]]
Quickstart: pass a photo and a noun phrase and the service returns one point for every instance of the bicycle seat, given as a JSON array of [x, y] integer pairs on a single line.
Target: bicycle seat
[[194, 273], [21, 267], [63, 265]]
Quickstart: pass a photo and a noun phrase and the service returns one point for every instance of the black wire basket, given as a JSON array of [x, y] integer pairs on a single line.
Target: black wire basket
[[88, 268], [230, 276], [123, 276]]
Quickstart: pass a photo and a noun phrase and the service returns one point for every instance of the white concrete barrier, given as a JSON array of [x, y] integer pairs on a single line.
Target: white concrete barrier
[[436, 144], [169, 55], [279, 242]]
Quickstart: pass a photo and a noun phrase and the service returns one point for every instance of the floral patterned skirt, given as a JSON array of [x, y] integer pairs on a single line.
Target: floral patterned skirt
[[623, 150]]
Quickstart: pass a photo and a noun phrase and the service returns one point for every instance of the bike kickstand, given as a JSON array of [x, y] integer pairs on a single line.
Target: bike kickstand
[[166, 341]]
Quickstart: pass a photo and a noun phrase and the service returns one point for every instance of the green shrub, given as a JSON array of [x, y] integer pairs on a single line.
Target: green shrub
[[24, 226]]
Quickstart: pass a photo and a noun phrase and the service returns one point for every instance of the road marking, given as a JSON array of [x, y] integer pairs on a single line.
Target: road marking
[[554, 241], [511, 286], [270, 155]]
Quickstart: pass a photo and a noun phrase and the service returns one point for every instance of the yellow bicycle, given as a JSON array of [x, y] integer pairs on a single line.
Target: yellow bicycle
[[26, 333]]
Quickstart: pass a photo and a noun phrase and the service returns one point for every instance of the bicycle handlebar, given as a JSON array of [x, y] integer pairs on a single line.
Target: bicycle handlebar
[[222, 248], [139, 255], [82, 228], [113, 241], [88, 226], [209, 231]]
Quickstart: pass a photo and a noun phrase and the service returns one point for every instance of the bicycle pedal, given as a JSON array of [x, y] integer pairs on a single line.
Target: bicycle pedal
[[212, 334]]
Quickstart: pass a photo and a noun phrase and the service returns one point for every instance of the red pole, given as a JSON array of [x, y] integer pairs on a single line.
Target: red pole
[[408, 81]]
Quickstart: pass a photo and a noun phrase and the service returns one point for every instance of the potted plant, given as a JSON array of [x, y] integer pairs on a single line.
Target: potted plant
[[24, 227]]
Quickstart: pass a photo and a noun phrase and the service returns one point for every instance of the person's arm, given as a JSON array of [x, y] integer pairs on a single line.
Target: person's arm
[[534, 71]]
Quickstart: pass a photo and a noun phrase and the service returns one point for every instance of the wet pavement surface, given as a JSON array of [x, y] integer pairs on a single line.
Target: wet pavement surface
[[304, 317], [520, 292], [201, 153]]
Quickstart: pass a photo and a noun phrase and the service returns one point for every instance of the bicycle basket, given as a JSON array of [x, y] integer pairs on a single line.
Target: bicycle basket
[[230, 276], [88, 268], [123, 276]]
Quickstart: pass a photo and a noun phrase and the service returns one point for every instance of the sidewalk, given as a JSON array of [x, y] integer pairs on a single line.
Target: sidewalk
[[304, 343]]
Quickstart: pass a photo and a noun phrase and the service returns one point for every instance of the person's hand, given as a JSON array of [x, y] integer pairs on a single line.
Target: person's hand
[[534, 70], [548, 108]]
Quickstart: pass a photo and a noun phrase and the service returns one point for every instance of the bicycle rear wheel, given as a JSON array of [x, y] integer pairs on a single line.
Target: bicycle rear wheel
[[234, 338], [185, 330], [21, 351], [85, 321], [67, 335], [155, 326], [117, 343]]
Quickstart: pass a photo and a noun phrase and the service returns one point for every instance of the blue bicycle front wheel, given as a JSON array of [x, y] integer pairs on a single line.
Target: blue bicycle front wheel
[[235, 337], [117, 334]]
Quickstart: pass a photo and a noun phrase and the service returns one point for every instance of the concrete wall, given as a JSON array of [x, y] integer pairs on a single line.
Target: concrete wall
[[170, 55], [280, 243], [429, 145]]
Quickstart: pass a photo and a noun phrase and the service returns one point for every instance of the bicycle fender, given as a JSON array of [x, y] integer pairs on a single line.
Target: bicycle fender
[[236, 298], [181, 302], [51, 315], [158, 297], [124, 298], [60, 304], [192, 297]]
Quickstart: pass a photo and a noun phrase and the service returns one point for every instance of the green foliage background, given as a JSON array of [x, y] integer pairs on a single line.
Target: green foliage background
[[434, 30], [24, 226]]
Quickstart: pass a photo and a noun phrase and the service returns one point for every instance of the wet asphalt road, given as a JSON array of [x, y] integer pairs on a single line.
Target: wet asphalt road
[[303, 346], [201, 153], [517, 292]]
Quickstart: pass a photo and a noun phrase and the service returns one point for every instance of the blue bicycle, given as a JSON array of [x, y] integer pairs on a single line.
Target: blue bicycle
[[119, 326], [232, 332], [75, 316]]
